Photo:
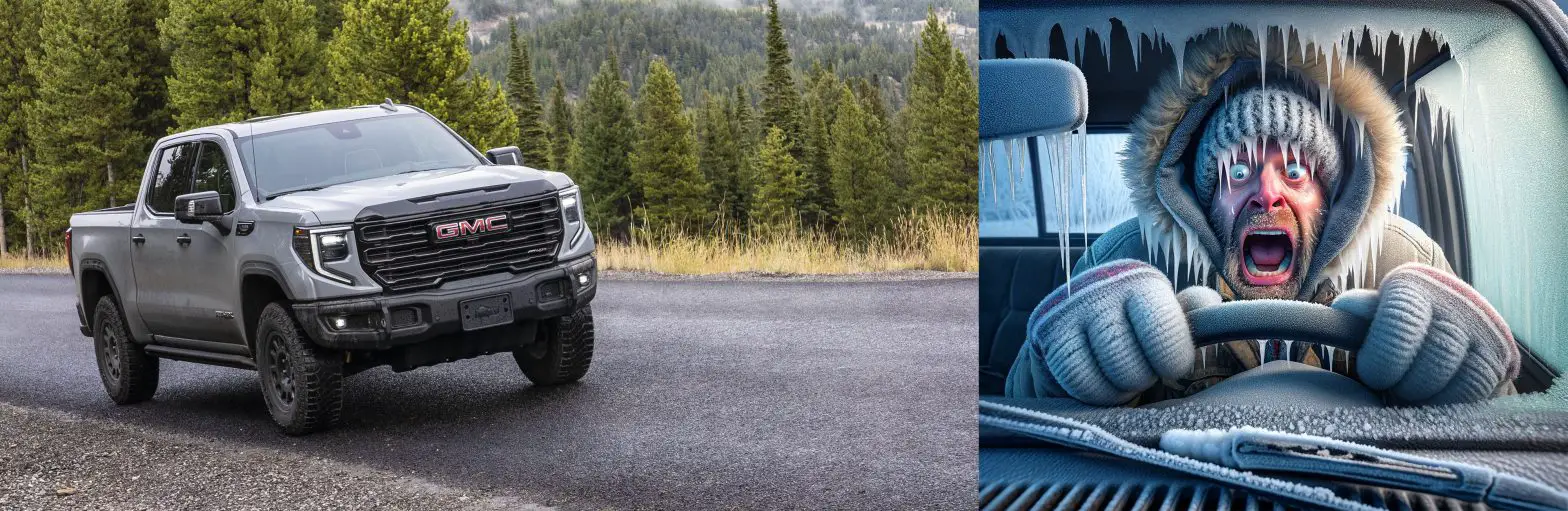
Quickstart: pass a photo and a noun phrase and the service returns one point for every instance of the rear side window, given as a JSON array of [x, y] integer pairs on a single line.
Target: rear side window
[[1080, 181], [173, 177], [212, 174]]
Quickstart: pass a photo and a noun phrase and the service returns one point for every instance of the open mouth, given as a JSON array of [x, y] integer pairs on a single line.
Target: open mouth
[[1268, 255]]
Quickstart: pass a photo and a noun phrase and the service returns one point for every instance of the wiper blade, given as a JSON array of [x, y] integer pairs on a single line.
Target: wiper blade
[[286, 192], [1251, 448], [1071, 433]]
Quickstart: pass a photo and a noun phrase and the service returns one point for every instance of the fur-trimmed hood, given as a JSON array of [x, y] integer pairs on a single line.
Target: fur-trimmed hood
[[1158, 162]]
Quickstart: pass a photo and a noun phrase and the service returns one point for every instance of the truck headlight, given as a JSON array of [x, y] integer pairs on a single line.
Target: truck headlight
[[571, 207], [333, 246], [316, 245], [572, 216]]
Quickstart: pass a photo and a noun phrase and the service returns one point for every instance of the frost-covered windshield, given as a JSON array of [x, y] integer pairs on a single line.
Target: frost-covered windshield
[[323, 155], [1480, 106]]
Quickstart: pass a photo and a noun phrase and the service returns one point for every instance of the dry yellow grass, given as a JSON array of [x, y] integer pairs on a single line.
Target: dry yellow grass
[[918, 242], [17, 262]]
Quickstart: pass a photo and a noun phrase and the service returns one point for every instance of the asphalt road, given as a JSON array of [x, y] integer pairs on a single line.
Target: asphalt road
[[739, 394]]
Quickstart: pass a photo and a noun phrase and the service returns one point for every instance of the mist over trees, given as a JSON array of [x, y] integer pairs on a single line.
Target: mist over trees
[[771, 136]]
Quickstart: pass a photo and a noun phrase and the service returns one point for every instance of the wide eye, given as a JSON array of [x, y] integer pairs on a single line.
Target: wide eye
[[1240, 171], [1295, 172]]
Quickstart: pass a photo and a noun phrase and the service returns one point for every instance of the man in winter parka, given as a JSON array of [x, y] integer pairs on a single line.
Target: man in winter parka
[[1259, 180]]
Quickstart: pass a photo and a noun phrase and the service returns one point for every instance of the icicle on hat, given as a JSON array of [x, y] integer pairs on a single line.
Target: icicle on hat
[[1276, 115]]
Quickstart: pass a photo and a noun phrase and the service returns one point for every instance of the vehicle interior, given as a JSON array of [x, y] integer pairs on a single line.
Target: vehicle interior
[[1481, 87]]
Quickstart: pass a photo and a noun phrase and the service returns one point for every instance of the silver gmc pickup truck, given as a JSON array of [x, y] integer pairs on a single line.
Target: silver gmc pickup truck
[[313, 246]]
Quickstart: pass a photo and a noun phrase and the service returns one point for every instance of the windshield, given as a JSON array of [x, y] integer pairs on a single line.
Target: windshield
[[323, 155], [1480, 106]]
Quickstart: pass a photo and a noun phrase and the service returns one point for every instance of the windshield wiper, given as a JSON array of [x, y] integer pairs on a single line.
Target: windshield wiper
[[1250, 448], [275, 195], [1071, 433]]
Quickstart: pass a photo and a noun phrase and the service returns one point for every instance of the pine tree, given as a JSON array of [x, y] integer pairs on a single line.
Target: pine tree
[[151, 61], [748, 136], [664, 162], [523, 94], [83, 160], [477, 110], [722, 161], [871, 98], [779, 97], [605, 134], [961, 107], [940, 134], [235, 59], [862, 186], [560, 126], [18, 37], [411, 51], [208, 82], [287, 76], [778, 184], [871, 102], [745, 120], [821, 104], [329, 14]]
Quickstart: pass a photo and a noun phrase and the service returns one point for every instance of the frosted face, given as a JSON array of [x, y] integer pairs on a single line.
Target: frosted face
[[1268, 212]]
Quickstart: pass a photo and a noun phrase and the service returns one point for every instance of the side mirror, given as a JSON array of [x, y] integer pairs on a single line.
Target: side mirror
[[199, 207], [509, 155]]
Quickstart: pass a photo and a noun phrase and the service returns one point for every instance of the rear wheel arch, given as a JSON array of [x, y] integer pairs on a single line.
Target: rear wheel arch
[[95, 284]]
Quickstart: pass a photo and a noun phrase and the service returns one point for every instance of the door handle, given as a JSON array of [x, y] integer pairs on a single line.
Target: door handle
[[138, 239], [184, 240]]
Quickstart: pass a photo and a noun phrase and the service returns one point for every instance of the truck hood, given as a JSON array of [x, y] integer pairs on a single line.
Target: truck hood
[[342, 203]]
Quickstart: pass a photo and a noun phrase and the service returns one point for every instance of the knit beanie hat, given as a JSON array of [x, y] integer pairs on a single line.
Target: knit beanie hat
[[1275, 115]]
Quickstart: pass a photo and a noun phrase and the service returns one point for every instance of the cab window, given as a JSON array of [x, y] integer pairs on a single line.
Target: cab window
[[212, 174], [172, 178]]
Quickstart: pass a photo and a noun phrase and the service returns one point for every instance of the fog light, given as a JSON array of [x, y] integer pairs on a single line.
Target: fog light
[[582, 278], [352, 321]]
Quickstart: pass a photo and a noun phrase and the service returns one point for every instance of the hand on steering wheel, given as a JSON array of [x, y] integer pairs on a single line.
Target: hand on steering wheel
[[1112, 337], [1433, 338]]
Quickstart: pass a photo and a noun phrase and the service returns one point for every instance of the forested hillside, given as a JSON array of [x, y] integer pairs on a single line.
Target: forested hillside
[[709, 47], [680, 120]]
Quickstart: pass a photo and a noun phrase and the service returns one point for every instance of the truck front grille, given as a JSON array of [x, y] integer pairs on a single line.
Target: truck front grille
[[402, 253]]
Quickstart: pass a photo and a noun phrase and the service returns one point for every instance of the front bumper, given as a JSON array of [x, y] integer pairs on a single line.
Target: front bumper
[[401, 319]]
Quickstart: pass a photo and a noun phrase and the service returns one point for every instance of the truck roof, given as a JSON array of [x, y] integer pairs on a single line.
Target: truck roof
[[288, 121]]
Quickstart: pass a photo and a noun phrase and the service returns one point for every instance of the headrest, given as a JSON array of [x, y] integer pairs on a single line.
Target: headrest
[[1030, 97]]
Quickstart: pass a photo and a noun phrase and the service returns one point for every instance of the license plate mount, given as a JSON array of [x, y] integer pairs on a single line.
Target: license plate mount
[[486, 312]]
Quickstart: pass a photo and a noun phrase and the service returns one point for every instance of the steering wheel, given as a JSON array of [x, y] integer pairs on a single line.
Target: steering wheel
[[1279, 383], [1276, 319]]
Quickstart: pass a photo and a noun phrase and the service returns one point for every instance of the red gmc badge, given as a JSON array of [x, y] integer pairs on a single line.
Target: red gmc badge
[[463, 228]]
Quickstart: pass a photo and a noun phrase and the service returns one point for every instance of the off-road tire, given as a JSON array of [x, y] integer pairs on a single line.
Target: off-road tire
[[561, 352], [303, 390], [129, 374]]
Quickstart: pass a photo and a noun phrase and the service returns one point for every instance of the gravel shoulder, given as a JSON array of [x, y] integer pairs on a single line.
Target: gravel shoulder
[[54, 460]]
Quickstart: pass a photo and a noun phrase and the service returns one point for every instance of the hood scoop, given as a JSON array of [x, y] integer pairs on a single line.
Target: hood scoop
[[434, 198]]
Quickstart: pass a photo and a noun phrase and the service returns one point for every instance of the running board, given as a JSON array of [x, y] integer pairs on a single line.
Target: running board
[[205, 357]]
